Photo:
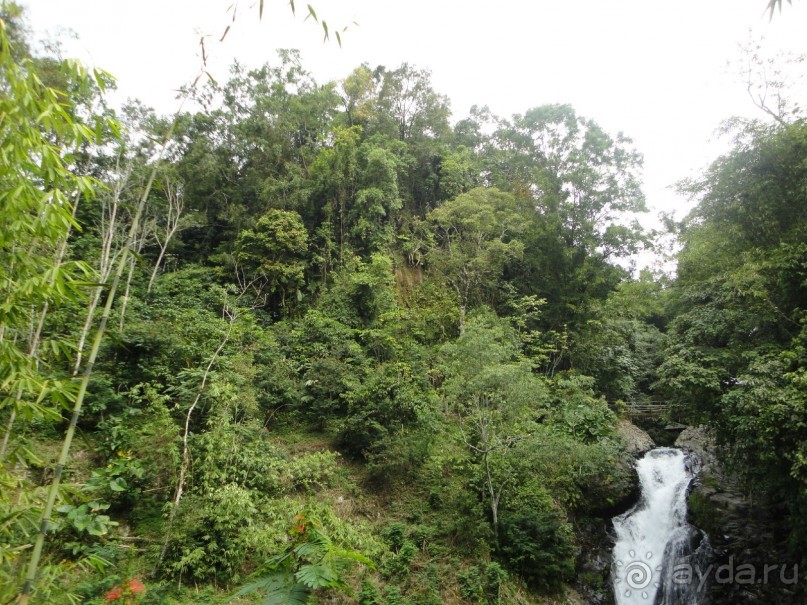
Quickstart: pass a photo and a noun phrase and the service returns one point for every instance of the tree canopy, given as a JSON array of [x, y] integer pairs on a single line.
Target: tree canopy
[[329, 343]]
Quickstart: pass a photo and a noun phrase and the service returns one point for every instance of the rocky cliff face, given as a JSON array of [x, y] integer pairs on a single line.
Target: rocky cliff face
[[750, 565]]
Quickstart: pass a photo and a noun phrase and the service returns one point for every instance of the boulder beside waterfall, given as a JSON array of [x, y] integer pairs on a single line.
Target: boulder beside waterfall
[[696, 439], [637, 442]]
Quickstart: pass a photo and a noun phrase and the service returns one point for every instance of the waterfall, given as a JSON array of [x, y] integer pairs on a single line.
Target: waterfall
[[658, 556]]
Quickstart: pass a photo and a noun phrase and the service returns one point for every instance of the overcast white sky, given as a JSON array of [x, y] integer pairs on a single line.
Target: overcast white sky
[[656, 70]]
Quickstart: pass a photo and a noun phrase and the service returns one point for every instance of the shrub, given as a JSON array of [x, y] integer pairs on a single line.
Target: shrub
[[577, 411], [215, 534], [536, 539], [238, 454], [388, 400], [481, 584]]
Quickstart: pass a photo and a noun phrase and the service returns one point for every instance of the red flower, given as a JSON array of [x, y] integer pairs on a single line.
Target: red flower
[[114, 594], [136, 586], [130, 591]]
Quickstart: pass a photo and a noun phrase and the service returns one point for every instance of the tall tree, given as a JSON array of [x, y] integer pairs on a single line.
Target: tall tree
[[271, 257], [736, 347], [478, 237], [584, 187]]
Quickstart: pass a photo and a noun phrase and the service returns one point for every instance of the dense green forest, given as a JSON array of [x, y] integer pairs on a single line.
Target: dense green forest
[[328, 343]]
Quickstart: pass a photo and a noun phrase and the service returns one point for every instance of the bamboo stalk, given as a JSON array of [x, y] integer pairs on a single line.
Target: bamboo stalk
[[35, 338], [44, 523]]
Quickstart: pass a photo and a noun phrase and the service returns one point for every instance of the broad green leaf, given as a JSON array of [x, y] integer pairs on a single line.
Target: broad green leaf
[[317, 575], [296, 594]]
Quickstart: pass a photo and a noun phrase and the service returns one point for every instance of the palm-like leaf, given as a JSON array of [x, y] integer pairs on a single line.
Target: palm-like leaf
[[317, 575], [311, 562], [279, 591], [291, 594], [316, 545]]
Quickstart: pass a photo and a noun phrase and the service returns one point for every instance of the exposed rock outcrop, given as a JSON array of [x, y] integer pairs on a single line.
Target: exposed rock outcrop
[[696, 439], [637, 442], [742, 531]]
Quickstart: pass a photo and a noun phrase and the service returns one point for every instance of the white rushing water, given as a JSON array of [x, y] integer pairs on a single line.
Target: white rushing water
[[654, 542]]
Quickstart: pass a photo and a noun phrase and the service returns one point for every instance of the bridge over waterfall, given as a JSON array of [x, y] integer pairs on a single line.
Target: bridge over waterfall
[[651, 410]]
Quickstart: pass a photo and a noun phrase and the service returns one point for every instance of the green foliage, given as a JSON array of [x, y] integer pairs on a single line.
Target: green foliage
[[389, 399], [750, 197], [233, 513], [576, 411], [477, 234], [765, 414], [362, 292], [409, 102], [272, 254], [369, 595], [704, 512], [482, 584], [397, 561], [458, 173], [536, 539], [43, 132], [736, 345], [121, 474], [429, 313], [157, 454], [328, 360], [622, 345], [355, 275], [243, 454], [85, 518], [39, 137], [584, 478], [403, 453], [310, 562], [215, 533], [377, 199]]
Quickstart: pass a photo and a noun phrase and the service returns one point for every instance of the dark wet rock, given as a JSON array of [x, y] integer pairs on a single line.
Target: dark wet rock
[[743, 530]]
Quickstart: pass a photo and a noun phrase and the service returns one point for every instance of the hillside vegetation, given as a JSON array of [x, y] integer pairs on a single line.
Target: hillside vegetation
[[324, 343]]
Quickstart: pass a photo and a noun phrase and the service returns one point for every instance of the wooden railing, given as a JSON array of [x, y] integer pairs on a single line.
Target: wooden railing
[[648, 409]]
